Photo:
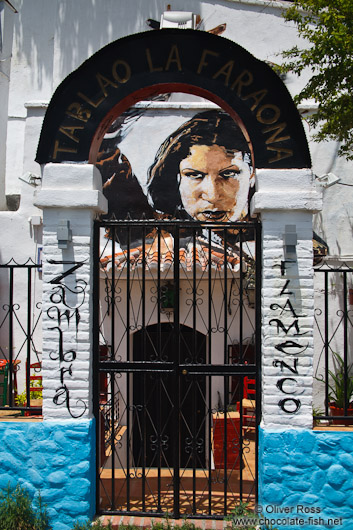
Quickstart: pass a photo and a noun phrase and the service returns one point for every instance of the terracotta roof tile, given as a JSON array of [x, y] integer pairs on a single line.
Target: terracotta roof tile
[[188, 256]]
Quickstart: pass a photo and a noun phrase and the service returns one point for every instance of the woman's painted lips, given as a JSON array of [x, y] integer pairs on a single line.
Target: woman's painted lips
[[214, 215]]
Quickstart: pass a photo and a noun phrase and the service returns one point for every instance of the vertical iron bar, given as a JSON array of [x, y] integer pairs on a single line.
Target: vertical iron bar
[[176, 447], [193, 379], [10, 361], [258, 285], [241, 297], [112, 374], [210, 417], [345, 341], [95, 338], [143, 301], [159, 298], [326, 345], [128, 375], [225, 359], [28, 362], [241, 354], [160, 376], [241, 441]]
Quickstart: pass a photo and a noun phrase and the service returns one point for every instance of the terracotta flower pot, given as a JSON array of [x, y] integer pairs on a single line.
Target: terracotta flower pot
[[336, 411]]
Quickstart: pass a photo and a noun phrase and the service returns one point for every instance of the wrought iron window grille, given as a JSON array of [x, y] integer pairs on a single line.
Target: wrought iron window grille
[[20, 347], [333, 376]]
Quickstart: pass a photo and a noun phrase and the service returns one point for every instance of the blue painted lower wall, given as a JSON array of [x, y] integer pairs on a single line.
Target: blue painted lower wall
[[302, 473], [307, 474], [57, 458]]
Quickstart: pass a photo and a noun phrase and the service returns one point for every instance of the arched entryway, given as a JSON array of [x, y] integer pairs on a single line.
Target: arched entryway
[[79, 115], [138, 66], [154, 399]]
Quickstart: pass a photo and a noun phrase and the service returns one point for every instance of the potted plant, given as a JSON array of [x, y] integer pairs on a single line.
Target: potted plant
[[336, 387], [36, 398]]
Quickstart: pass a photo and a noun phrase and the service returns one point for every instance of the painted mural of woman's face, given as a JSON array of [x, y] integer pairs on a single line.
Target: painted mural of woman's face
[[214, 183]]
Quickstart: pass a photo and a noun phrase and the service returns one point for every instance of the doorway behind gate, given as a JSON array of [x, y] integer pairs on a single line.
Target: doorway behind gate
[[176, 376]]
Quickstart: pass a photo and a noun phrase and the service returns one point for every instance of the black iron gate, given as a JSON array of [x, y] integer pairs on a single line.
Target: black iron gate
[[177, 333]]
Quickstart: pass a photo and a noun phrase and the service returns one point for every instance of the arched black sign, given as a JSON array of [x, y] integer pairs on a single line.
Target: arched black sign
[[173, 60]]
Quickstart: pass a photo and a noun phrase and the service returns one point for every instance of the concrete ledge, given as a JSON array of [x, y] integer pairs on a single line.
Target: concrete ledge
[[286, 189], [83, 199], [288, 200], [71, 176], [284, 179]]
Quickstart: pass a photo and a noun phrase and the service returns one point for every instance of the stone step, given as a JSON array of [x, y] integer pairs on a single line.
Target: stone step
[[146, 522]]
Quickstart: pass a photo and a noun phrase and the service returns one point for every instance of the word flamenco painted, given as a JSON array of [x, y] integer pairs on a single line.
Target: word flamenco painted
[[287, 323]]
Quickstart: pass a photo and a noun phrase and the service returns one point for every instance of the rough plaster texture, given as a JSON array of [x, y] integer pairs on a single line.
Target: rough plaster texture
[[55, 458], [313, 469], [288, 321], [284, 189], [20, 240], [287, 295], [67, 375], [6, 31], [67, 287], [46, 41]]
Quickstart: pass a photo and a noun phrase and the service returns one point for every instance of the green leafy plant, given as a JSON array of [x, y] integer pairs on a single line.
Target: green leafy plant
[[240, 509], [188, 526], [327, 28], [21, 399], [243, 510], [98, 525], [36, 394], [163, 525], [167, 524], [18, 513], [317, 412], [337, 383]]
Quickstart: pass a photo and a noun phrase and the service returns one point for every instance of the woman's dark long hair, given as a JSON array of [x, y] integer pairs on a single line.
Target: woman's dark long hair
[[206, 128]]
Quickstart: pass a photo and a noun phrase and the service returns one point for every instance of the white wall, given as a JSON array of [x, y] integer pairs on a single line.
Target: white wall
[[20, 240], [6, 31], [50, 39], [46, 40]]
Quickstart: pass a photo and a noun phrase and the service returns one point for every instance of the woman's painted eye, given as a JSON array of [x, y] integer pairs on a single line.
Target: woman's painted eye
[[230, 173], [193, 174]]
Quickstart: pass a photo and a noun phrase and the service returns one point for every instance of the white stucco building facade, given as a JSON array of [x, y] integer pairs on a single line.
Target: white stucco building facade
[[43, 44]]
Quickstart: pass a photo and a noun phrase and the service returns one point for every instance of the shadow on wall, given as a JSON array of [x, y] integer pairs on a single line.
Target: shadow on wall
[[78, 29]]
